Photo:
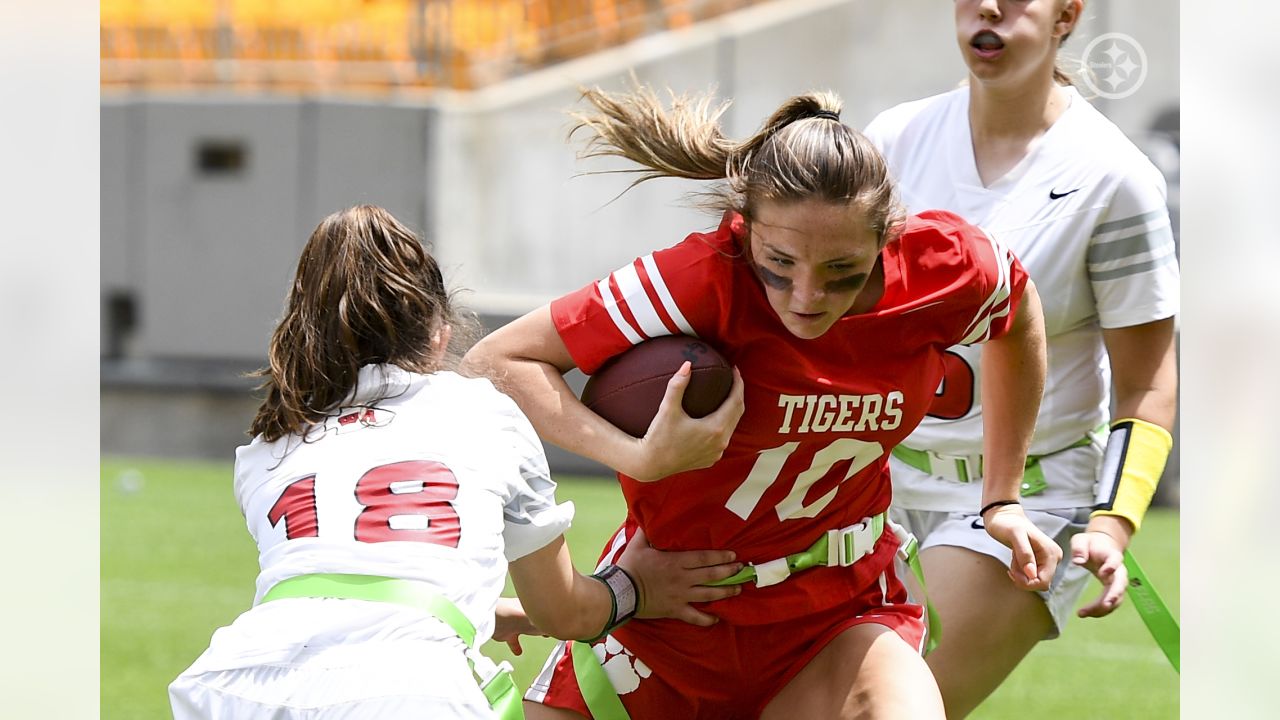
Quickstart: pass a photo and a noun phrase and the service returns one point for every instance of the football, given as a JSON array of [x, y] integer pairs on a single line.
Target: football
[[628, 389]]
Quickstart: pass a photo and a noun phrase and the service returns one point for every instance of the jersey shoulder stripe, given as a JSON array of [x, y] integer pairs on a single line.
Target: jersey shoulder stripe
[[640, 304], [604, 288], [972, 269], [659, 305], [624, 306], [671, 291], [996, 305], [634, 297], [667, 302]]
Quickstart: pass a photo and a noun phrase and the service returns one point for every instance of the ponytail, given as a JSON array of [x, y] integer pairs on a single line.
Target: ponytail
[[684, 141], [801, 152]]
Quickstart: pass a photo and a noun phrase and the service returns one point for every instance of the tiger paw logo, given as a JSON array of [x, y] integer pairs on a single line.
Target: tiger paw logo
[[625, 670]]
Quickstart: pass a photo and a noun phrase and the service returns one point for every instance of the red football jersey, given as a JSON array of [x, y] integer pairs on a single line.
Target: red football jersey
[[811, 451]]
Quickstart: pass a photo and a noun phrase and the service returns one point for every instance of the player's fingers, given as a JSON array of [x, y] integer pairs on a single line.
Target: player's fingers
[[676, 385], [514, 644], [1093, 609], [693, 616], [1116, 587], [1113, 563], [1111, 598], [1044, 577], [733, 406], [710, 594], [739, 389], [1048, 556], [1105, 574], [1024, 559], [705, 575], [706, 559], [1019, 579]]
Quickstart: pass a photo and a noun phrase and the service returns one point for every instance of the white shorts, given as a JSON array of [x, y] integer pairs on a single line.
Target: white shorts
[[373, 681], [933, 528], [318, 659]]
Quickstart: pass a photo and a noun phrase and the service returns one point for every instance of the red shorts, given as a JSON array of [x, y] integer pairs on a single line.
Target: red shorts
[[670, 669]]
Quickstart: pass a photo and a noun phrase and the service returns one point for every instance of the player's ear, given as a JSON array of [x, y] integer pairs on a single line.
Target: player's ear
[[1067, 18], [440, 342]]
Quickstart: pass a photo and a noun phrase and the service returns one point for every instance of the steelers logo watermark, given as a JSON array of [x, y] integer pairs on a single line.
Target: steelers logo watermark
[[1114, 65]]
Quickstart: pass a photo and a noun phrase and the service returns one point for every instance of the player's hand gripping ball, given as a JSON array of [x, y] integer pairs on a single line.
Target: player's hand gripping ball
[[628, 389]]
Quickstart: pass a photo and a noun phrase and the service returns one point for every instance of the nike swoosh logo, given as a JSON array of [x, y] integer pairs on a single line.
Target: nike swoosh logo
[[1054, 196], [977, 524], [926, 305]]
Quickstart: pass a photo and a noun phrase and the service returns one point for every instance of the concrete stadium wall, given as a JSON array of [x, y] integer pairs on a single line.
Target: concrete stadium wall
[[208, 255]]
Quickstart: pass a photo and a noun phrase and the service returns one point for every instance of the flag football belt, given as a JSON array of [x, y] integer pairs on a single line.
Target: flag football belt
[[495, 680], [968, 468], [842, 548], [834, 548]]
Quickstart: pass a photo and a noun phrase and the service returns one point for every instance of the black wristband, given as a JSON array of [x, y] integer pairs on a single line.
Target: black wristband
[[623, 595], [998, 503]]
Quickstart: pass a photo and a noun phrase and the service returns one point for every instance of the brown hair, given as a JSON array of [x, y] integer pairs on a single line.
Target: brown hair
[[366, 291], [801, 152]]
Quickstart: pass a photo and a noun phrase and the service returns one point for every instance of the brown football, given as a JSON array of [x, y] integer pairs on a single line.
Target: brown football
[[628, 389]]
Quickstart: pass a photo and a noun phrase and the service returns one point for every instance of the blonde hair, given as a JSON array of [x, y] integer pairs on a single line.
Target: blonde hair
[[801, 152], [366, 291]]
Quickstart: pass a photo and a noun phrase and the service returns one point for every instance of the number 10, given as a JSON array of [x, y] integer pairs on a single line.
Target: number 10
[[768, 467]]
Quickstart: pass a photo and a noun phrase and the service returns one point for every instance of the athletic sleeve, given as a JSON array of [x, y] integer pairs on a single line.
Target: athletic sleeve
[[531, 517], [676, 291], [1002, 280], [1132, 260], [889, 128], [980, 280], [878, 132]]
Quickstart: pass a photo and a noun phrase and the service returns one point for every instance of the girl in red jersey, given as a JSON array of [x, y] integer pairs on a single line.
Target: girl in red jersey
[[835, 309]]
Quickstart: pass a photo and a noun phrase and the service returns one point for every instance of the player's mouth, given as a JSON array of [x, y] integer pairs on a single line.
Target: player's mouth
[[987, 45], [807, 317], [807, 325]]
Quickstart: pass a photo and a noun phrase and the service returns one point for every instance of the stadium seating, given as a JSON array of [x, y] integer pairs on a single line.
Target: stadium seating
[[379, 44]]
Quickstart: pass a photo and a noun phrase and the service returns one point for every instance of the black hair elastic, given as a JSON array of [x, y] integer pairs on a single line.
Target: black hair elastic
[[998, 503], [826, 114]]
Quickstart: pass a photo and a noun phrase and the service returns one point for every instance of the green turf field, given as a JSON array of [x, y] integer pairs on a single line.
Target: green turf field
[[177, 563]]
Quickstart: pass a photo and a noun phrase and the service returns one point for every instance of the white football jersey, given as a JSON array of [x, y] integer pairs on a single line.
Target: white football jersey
[[1085, 213], [435, 478]]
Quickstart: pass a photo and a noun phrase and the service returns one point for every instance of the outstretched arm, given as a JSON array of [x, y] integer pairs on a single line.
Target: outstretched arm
[[1145, 376], [1013, 373], [563, 603]]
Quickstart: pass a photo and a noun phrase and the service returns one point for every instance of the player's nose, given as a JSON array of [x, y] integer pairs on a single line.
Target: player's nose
[[807, 293]]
